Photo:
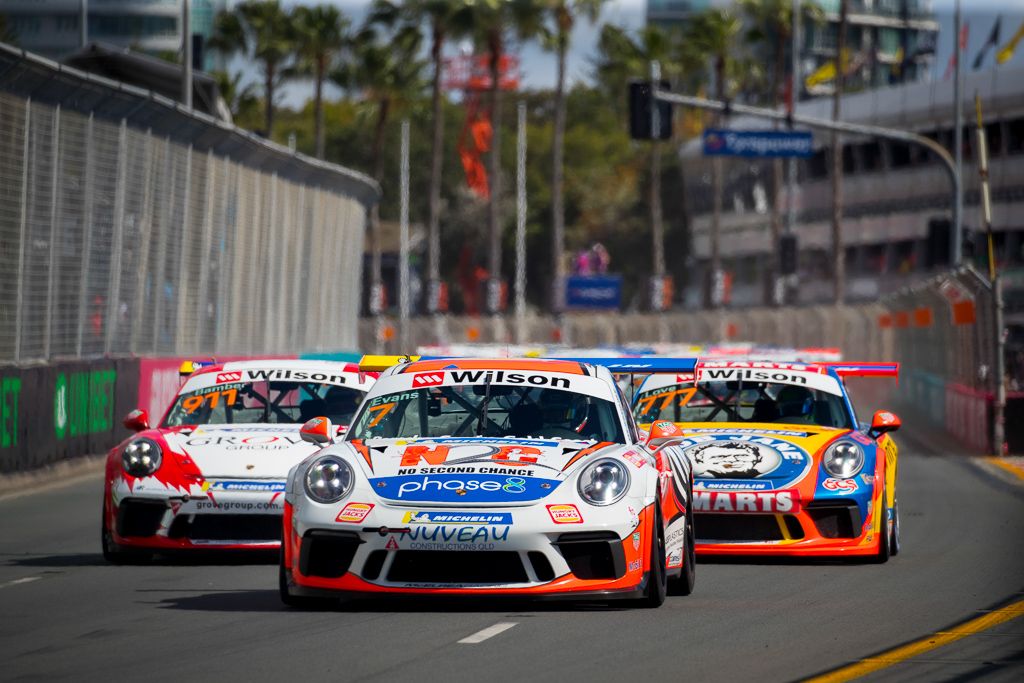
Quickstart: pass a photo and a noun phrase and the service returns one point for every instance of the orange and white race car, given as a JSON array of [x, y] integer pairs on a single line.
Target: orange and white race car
[[782, 466], [490, 477]]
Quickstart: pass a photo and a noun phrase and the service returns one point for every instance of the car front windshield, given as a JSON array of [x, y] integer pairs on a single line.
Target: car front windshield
[[741, 402], [488, 410], [264, 402]]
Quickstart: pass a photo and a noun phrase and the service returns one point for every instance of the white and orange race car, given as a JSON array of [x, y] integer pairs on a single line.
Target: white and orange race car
[[490, 477], [211, 473], [782, 465]]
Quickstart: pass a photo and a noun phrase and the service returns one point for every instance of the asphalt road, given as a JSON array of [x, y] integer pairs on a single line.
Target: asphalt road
[[66, 614]]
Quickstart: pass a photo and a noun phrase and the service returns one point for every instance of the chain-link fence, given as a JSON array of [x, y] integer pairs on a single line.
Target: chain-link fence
[[129, 225]]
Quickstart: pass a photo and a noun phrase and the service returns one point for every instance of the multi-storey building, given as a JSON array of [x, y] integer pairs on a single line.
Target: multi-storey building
[[53, 28]]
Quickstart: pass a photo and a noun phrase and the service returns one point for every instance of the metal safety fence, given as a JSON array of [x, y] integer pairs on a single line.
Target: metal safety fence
[[131, 225]]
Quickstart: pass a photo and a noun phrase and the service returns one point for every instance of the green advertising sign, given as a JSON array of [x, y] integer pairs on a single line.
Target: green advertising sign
[[83, 403], [10, 393]]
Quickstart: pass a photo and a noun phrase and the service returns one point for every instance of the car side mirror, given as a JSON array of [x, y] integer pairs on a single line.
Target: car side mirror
[[318, 431], [137, 420], [663, 433], [882, 422]]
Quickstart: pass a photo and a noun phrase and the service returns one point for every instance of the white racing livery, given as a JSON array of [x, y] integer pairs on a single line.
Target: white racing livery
[[490, 477], [211, 474]]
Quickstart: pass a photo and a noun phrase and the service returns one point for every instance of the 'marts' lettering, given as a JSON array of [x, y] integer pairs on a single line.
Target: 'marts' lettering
[[757, 502]]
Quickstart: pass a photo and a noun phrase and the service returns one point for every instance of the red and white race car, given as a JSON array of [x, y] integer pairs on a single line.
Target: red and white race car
[[212, 473]]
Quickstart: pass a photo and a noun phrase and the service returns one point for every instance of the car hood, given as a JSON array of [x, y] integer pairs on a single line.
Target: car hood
[[754, 456], [473, 470], [256, 451]]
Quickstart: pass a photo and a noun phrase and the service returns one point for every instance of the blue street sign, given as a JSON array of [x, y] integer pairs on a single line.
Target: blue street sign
[[758, 143], [593, 291]]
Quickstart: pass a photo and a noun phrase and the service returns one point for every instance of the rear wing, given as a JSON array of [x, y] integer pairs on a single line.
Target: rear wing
[[864, 369], [380, 363]]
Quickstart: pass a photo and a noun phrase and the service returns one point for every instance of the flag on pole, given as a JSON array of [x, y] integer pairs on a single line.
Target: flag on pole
[[1006, 52], [991, 42], [964, 30]]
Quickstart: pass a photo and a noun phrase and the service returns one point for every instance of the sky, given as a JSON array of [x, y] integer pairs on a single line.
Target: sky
[[538, 66]]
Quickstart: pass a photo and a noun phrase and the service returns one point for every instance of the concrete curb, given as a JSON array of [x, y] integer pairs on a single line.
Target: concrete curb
[[48, 476]]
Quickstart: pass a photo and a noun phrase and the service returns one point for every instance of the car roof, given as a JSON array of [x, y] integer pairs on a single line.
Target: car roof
[[527, 364]]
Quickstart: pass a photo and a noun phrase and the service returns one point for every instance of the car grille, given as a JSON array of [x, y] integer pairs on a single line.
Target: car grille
[[255, 528], [139, 517], [327, 554], [457, 567], [593, 554], [744, 528], [835, 519]]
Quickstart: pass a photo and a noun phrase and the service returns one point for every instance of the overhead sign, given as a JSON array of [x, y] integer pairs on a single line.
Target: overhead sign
[[593, 291], [757, 143]]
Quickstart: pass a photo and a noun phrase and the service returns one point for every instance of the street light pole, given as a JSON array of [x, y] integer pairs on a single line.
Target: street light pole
[[84, 22], [520, 282], [956, 253], [186, 53]]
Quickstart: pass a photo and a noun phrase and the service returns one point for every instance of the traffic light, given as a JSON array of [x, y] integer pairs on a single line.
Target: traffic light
[[640, 119], [787, 255]]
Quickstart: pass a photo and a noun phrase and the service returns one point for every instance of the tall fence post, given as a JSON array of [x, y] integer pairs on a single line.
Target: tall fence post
[[87, 225], [52, 266], [19, 304], [114, 288], [145, 224]]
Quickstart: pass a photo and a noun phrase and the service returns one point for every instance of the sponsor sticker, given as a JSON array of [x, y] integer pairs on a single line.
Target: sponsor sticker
[[636, 540], [260, 486], [392, 544], [463, 488], [565, 514], [840, 485], [427, 379], [445, 517], [632, 456], [745, 457], [786, 501], [229, 377], [354, 512], [634, 565]]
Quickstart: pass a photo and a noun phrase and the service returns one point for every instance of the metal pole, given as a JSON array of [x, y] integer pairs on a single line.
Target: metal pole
[[843, 126], [794, 90], [84, 26], [956, 253], [657, 282], [83, 282], [999, 409], [403, 243], [186, 53], [117, 248], [520, 311]]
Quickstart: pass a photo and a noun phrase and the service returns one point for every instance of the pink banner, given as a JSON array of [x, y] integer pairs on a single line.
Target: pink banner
[[967, 416]]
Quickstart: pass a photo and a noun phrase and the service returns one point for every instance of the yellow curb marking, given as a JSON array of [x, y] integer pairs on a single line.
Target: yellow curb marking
[[1010, 467], [917, 648]]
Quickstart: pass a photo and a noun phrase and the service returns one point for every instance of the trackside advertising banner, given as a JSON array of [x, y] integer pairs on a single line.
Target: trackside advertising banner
[[63, 410]]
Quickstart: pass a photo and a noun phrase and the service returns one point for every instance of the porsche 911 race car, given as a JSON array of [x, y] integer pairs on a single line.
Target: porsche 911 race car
[[211, 473], [490, 477], [781, 464]]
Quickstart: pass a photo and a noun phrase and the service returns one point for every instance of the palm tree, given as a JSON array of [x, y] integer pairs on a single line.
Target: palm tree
[[387, 74], [771, 25], [261, 30], [444, 17], [563, 14], [240, 99], [490, 22], [714, 32], [621, 58], [320, 34]]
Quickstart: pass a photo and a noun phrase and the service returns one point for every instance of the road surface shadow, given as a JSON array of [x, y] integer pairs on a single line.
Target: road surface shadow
[[269, 601], [66, 560], [785, 561]]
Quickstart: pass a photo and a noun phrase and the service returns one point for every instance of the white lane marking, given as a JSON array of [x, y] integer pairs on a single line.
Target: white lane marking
[[27, 579], [489, 632]]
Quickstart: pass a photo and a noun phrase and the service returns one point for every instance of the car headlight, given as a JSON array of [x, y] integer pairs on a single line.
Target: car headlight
[[329, 479], [843, 459], [141, 457], [603, 482]]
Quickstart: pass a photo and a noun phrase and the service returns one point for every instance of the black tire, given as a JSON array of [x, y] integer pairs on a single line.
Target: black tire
[[683, 584], [884, 550], [114, 553], [657, 578], [294, 601], [894, 530]]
